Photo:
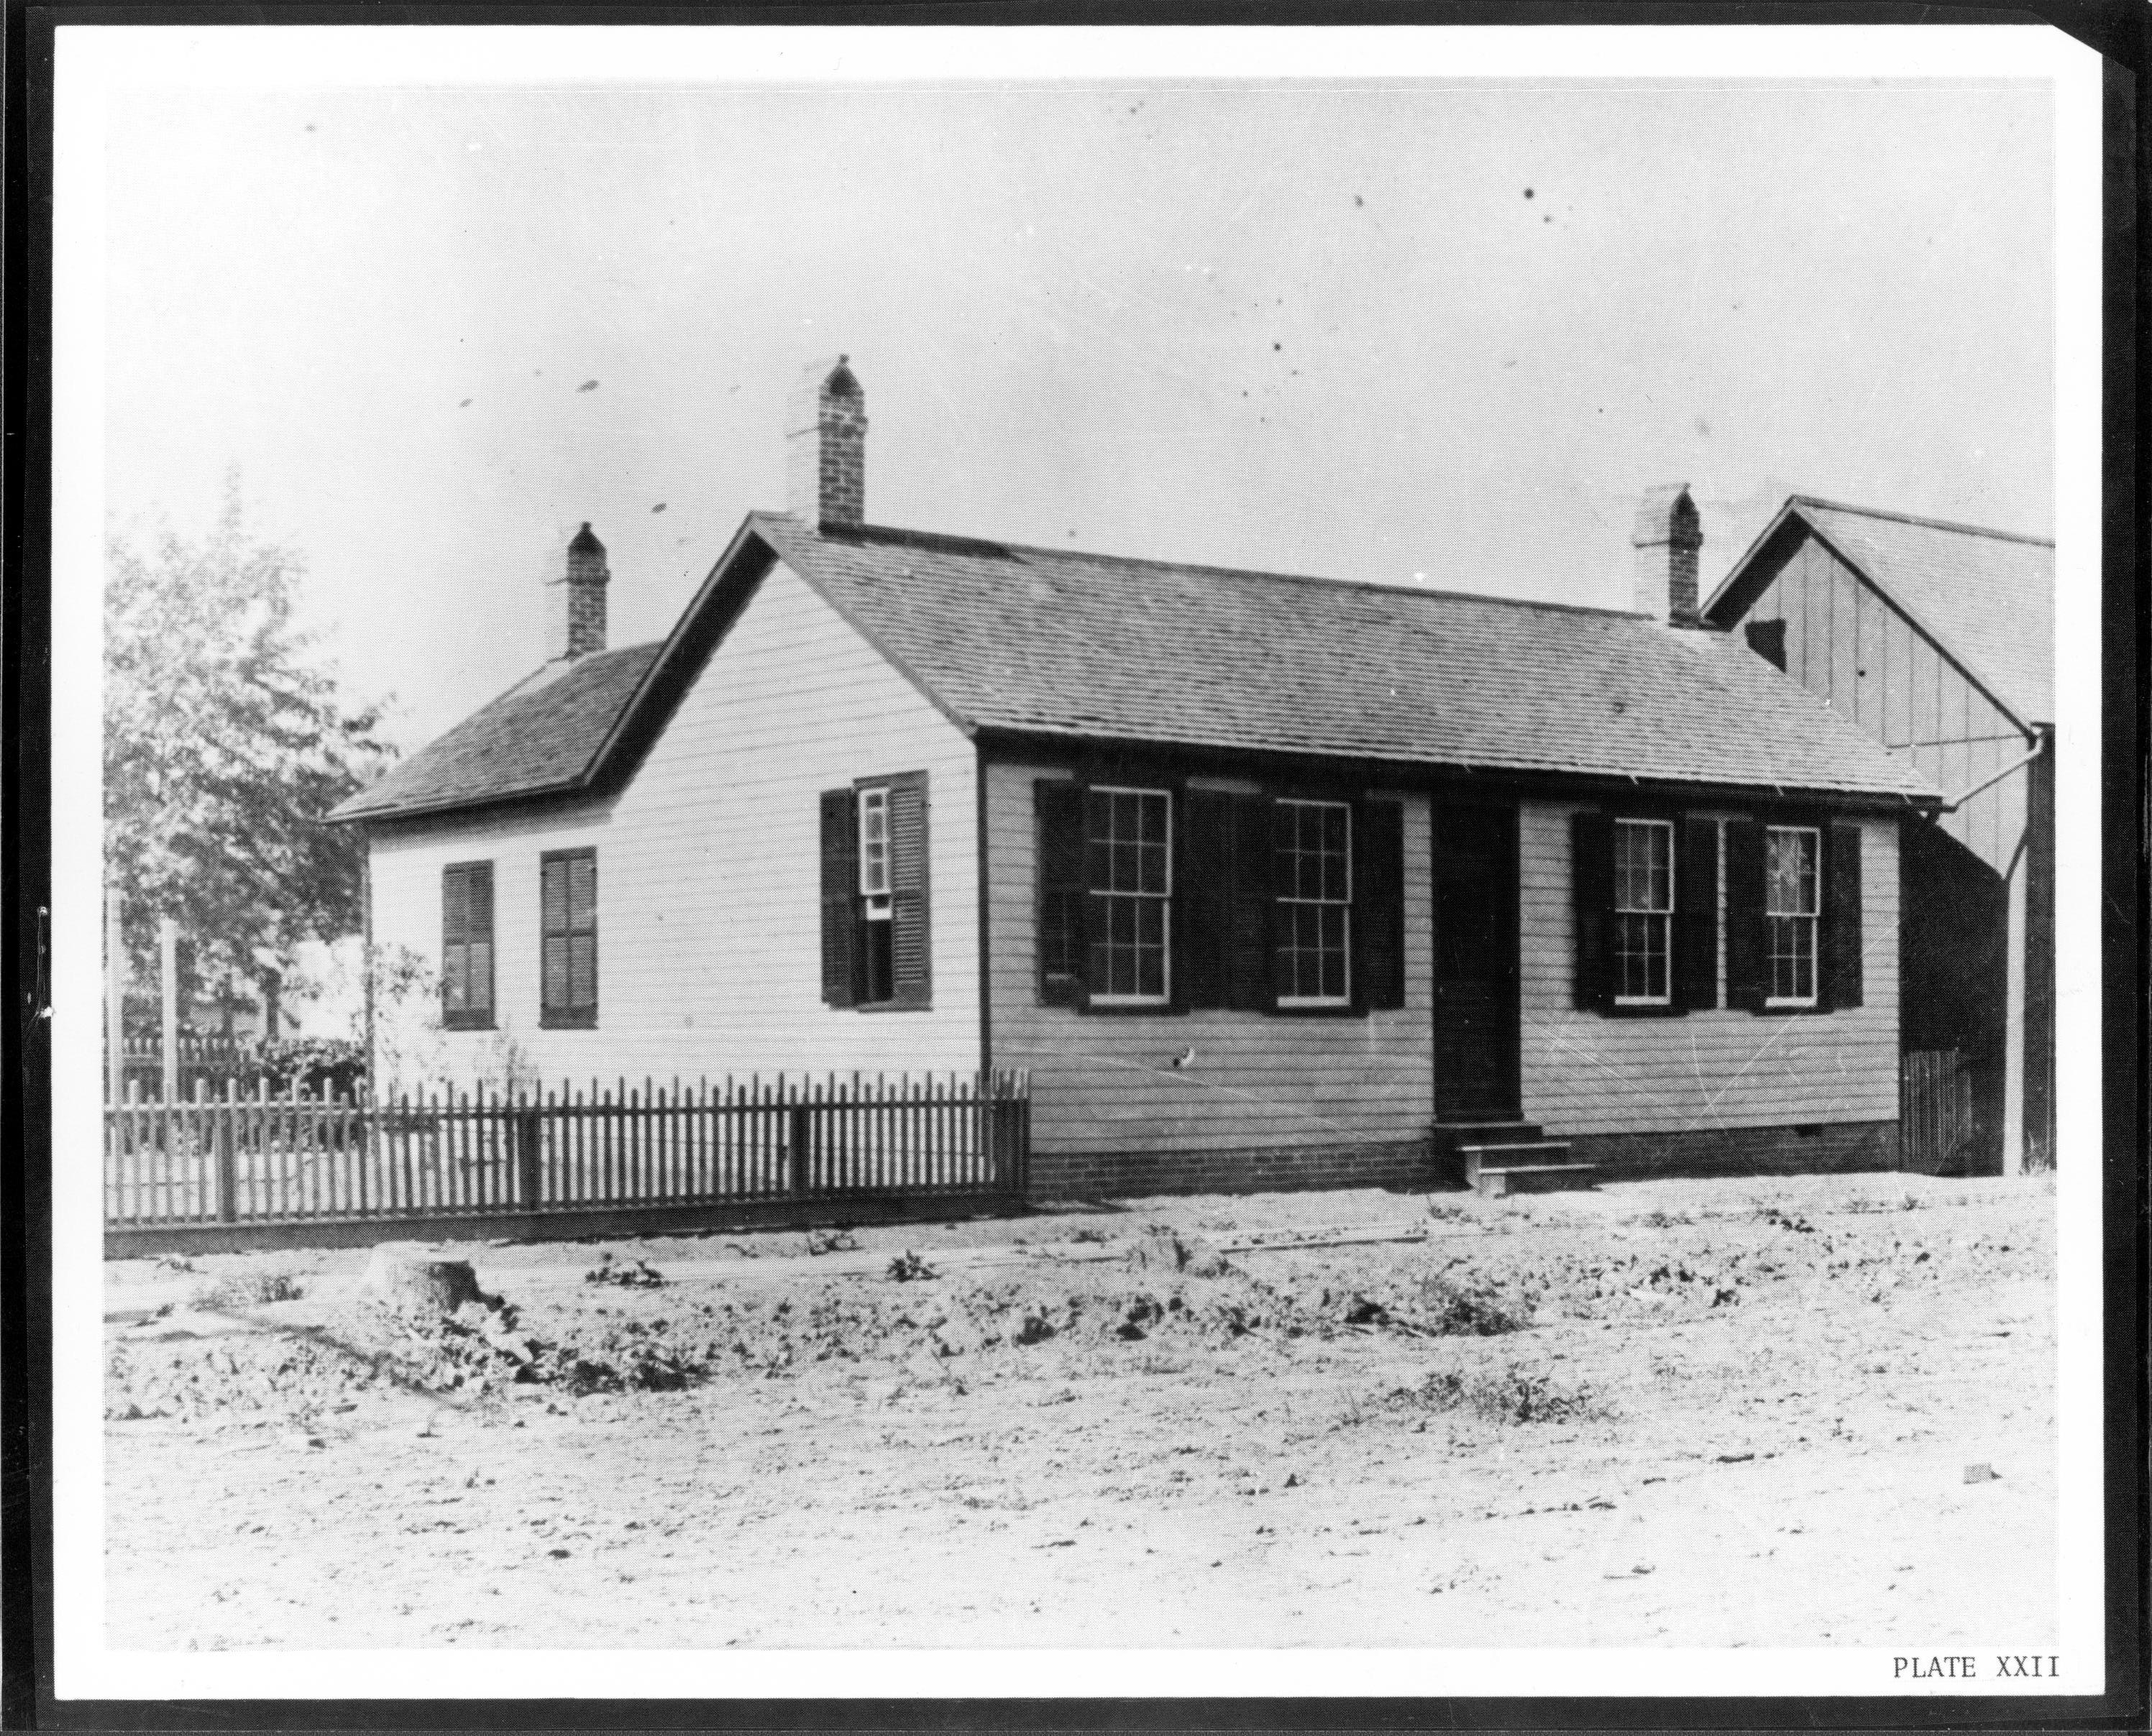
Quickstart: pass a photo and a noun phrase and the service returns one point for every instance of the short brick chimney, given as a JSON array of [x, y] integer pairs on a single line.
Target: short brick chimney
[[576, 600], [1668, 538], [826, 432]]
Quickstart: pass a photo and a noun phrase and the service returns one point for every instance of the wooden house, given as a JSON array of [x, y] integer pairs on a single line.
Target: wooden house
[[1268, 881], [1938, 641]]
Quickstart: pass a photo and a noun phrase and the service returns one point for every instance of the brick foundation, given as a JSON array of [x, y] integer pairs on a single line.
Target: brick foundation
[[1279, 1169], [1832, 1147]]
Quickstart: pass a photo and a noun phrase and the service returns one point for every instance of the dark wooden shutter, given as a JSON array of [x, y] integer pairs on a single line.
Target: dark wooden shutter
[[1696, 917], [583, 935], [1379, 905], [553, 929], [1058, 808], [455, 945], [1838, 967], [478, 940], [840, 883], [568, 939], [1592, 887], [1202, 886], [1250, 985], [1748, 948], [911, 950]]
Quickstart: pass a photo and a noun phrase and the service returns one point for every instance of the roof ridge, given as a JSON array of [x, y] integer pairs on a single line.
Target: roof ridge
[[1877, 511], [959, 544]]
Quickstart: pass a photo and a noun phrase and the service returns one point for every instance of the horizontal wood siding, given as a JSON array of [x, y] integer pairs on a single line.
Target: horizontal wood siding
[[708, 910], [1104, 1083], [1587, 1074], [1851, 647]]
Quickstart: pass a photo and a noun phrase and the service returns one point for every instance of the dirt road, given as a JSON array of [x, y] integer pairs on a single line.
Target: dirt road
[[1699, 1414]]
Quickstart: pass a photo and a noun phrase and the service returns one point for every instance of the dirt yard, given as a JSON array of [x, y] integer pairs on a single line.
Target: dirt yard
[[1697, 1414]]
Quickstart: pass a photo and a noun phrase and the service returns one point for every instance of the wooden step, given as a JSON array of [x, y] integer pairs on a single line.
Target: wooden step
[[1542, 1165], [1455, 1134]]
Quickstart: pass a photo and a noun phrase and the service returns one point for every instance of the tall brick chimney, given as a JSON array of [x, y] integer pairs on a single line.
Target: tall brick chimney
[[826, 432], [1668, 538], [576, 600]]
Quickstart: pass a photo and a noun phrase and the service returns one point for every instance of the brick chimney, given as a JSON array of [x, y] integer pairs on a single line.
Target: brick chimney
[[575, 601], [825, 431], [1668, 538]]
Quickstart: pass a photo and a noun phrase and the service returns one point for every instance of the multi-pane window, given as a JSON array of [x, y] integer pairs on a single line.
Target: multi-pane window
[[878, 948], [1791, 906], [568, 944], [1128, 872], [467, 946], [1312, 876], [1643, 911]]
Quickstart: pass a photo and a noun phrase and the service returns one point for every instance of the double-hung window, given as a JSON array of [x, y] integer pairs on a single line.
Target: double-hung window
[[1791, 908], [877, 961], [1311, 870], [1643, 912], [1128, 837]]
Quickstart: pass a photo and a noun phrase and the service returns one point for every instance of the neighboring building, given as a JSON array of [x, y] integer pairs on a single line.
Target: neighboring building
[[1261, 876], [1938, 641]]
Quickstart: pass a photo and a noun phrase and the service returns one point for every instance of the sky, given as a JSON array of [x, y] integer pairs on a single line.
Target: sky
[[1418, 333]]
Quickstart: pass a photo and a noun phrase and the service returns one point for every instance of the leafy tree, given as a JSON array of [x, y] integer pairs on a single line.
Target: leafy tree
[[225, 742]]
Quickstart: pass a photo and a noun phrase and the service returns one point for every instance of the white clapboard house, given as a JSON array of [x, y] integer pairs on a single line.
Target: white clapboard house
[[1267, 881]]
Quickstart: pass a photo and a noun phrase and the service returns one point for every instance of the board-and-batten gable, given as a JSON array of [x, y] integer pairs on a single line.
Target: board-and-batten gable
[[1854, 648], [708, 912], [1256, 1081], [1583, 1072]]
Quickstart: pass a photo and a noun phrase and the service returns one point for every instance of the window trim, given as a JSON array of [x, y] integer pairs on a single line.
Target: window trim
[[1095, 997], [568, 1016], [1666, 917], [1813, 999], [1316, 1003], [467, 1017]]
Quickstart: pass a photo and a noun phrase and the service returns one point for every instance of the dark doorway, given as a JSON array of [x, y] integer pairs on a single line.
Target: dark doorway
[[1953, 978], [1475, 964]]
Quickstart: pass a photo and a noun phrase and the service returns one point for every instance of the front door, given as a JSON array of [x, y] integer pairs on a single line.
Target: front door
[[1475, 964]]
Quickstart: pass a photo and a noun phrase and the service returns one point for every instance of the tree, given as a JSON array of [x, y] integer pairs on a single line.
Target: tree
[[225, 742]]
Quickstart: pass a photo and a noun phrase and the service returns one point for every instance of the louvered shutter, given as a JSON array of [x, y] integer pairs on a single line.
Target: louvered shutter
[[1747, 945], [553, 922], [583, 934], [1203, 883], [1696, 917], [1058, 808], [478, 940], [911, 950], [455, 949], [1379, 905], [840, 881], [1591, 886], [1839, 941], [1250, 986]]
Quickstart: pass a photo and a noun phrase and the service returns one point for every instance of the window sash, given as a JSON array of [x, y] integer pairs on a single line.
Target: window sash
[[874, 843], [1643, 912], [1128, 857], [1792, 909], [1313, 860]]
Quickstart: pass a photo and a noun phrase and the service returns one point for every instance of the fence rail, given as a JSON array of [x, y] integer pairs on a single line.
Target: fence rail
[[294, 1158]]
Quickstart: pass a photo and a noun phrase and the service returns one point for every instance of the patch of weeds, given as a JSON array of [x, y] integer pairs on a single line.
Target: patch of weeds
[[840, 1240], [908, 1267], [1510, 1394], [640, 1276], [1474, 1308], [1443, 1212], [1657, 1220], [250, 1289], [176, 1262], [1780, 1218], [1086, 1233]]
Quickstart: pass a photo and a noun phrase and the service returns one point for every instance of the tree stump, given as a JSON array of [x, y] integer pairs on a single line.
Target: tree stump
[[405, 1276]]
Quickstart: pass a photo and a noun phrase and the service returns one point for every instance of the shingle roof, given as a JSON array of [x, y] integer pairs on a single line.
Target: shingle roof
[[1988, 596], [1050, 641], [542, 734], [1053, 642]]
